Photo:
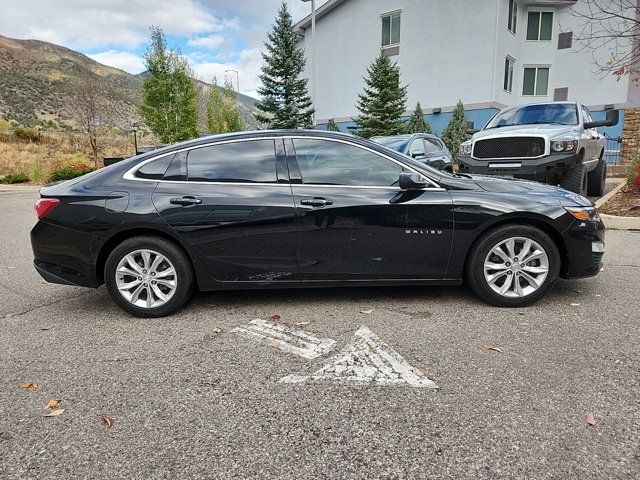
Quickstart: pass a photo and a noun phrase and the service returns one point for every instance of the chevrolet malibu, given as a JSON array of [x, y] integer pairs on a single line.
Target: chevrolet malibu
[[282, 209]]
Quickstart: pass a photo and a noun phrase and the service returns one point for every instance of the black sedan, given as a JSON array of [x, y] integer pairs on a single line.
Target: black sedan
[[424, 147], [280, 209]]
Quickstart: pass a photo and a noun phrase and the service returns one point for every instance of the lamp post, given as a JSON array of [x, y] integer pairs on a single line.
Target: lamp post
[[313, 58], [237, 81], [135, 136]]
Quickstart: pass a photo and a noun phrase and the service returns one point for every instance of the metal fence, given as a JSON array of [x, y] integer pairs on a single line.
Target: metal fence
[[612, 148]]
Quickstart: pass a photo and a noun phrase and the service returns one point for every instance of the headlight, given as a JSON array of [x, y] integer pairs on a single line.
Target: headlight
[[583, 213], [465, 148], [564, 146]]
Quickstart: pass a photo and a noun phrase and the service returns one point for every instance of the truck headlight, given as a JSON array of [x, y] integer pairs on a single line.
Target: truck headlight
[[564, 145], [465, 148]]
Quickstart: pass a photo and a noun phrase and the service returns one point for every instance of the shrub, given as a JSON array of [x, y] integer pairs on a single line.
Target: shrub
[[15, 178], [633, 177], [27, 134], [69, 172]]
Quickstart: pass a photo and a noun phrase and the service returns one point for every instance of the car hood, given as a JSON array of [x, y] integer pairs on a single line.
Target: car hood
[[548, 130], [526, 187]]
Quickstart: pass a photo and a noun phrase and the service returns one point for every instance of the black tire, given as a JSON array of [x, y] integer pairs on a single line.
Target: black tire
[[598, 179], [474, 270], [575, 179], [181, 264]]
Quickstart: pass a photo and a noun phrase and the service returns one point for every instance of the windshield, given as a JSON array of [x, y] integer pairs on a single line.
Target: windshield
[[555, 113], [394, 143]]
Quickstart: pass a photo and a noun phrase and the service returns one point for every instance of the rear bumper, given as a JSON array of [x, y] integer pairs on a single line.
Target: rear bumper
[[538, 169], [64, 256]]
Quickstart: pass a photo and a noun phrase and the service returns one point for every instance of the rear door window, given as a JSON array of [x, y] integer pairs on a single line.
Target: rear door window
[[252, 161]]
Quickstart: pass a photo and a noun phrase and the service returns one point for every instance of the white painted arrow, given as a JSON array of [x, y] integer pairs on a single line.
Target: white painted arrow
[[297, 342], [366, 359]]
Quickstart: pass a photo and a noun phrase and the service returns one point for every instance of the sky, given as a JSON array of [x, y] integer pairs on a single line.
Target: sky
[[215, 35]]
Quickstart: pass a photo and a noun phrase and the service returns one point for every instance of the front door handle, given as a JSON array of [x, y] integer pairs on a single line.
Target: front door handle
[[316, 201], [185, 201]]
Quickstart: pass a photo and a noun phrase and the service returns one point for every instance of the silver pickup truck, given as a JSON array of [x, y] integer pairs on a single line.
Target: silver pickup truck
[[554, 142]]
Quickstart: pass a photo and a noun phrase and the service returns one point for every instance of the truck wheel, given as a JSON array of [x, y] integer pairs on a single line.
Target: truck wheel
[[597, 179], [575, 179]]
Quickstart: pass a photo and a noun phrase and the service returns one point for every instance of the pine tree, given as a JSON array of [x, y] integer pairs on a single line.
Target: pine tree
[[169, 97], [332, 126], [285, 101], [456, 131], [417, 123], [223, 115], [383, 101]]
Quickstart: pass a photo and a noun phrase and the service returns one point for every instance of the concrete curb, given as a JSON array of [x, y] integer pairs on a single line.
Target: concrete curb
[[615, 222]]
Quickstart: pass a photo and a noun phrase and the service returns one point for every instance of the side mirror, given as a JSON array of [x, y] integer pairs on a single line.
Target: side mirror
[[417, 154], [411, 181], [471, 128], [613, 117]]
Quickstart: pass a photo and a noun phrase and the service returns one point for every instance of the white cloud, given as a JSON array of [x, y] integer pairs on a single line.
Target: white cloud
[[248, 66], [127, 61], [211, 41], [124, 23]]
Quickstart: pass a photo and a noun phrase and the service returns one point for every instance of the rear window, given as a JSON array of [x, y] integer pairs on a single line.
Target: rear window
[[251, 161], [155, 169]]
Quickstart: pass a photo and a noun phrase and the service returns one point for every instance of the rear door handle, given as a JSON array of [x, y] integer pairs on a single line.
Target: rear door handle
[[316, 201], [185, 201]]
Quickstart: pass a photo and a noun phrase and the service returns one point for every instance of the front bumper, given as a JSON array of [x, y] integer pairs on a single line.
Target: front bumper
[[538, 169], [585, 249]]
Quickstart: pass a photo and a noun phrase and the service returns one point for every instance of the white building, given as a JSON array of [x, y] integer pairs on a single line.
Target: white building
[[487, 53]]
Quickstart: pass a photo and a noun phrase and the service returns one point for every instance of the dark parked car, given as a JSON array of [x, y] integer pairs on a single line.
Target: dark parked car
[[423, 147], [301, 209]]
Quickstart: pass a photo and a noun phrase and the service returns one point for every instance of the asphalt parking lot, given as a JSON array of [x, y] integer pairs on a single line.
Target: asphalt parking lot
[[191, 398]]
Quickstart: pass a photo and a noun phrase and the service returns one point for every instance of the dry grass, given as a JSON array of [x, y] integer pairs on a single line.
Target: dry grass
[[55, 150]]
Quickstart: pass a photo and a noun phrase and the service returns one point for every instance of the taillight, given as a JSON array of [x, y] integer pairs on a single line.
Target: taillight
[[45, 205]]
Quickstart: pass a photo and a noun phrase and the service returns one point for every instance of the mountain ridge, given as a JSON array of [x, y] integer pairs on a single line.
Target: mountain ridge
[[39, 82]]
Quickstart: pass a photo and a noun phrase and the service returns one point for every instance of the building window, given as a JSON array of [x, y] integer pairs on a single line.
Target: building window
[[536, 81], [391, 29], [565, 40], [513, 16], [539, 25], [508, 74]]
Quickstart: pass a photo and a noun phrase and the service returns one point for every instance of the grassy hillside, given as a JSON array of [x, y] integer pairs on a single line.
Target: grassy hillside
[[39, 80]]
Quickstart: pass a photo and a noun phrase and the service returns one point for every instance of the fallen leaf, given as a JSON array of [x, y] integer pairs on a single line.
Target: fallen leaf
[[55, 413], [108, 421], [492, 348], [597, 295], [28, 385], [418, 372], [431, 375], [276, 341], [367, 311], [575, 304], [591, 420], [367, 351], [276, 318], [51, 404], [216, 330], [302, 323], [46, 327], [66, 447]]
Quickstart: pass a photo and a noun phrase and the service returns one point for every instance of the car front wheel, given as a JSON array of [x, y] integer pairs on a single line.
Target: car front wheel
[[148, 276], [513, 266]]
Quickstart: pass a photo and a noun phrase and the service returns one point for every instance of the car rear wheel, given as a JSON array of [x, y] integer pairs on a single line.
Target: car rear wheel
[[598, 178], [148, 276], [575, 179], [513, 266]]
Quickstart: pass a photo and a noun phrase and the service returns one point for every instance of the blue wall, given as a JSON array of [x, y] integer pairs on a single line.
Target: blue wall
[[481, 116]]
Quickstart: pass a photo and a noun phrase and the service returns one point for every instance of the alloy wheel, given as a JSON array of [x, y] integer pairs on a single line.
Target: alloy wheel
[[516, 267], [146, 278]]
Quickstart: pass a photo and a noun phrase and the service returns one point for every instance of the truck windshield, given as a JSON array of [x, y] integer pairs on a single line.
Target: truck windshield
[[554, 113]]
